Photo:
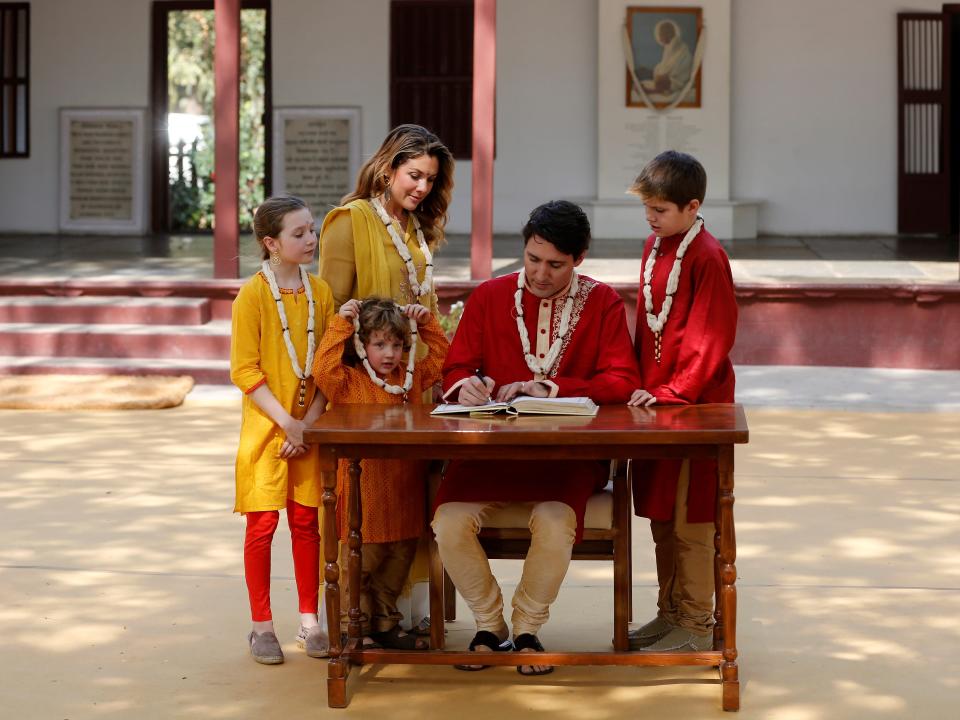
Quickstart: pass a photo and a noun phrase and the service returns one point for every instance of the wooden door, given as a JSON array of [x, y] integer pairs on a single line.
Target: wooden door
[[924, 199], [433, 88]]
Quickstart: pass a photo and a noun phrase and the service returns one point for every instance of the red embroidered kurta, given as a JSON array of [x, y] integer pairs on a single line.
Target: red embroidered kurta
[[393, 491], [694, 364], [596, 361]]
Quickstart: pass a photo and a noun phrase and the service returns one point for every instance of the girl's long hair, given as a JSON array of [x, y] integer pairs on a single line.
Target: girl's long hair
[[401, 144]]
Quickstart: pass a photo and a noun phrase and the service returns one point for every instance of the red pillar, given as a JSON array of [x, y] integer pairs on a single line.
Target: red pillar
[[226, 198], [484, 106]]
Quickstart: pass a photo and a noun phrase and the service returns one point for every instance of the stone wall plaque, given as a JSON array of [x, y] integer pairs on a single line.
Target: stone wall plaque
[[316, 154], [102, 170]]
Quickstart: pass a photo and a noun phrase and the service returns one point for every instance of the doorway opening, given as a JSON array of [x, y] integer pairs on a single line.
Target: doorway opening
[[182, 100]]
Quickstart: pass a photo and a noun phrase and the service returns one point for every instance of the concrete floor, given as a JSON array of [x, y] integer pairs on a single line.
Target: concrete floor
[[122, 595]]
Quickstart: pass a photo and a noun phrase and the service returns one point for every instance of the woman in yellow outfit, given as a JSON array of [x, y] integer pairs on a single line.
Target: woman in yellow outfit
[[279, 316], [381, 240]]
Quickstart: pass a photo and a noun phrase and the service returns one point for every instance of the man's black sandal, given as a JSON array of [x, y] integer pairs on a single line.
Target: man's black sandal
[[486, 639], [528, 641]]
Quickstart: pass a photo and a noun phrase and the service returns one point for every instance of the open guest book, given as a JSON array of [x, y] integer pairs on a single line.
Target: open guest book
[[524, 405]]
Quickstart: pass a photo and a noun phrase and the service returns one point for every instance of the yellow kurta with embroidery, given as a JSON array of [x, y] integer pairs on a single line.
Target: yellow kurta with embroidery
[[258, 355], [358, 259]]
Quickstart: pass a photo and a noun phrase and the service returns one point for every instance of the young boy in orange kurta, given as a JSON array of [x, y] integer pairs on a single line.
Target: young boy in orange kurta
[[360, 360]]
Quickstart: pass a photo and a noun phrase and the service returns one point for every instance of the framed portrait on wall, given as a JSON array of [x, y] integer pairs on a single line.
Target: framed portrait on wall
[[663, 47]]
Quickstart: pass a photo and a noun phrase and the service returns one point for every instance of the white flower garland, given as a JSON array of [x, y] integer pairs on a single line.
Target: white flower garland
[[302, 375], [540, 370], [656, 322], [421, 291], [411, 360]]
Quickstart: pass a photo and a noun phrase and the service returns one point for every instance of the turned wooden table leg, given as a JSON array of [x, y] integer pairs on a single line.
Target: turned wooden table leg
[[355, 562], [337, 667], [729, 670], [437, 610], [717, 587]]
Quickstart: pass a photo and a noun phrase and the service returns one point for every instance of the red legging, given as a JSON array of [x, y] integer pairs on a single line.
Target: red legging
[[306, 557]]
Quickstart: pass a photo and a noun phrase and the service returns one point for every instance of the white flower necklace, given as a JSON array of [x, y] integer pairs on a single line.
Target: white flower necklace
[[421, 291], [656, 322], [539, 369], [411, 361], [311, 341]]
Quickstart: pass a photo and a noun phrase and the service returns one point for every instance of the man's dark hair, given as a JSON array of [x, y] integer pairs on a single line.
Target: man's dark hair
[[561, 223], [672, 176]]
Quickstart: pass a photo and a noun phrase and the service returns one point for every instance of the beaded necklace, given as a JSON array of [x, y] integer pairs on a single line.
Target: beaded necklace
[[421, 291], [411, 361], [656, 322], [291, 351]]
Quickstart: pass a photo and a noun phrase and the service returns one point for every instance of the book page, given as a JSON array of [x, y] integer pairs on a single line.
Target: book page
[[456, 409]]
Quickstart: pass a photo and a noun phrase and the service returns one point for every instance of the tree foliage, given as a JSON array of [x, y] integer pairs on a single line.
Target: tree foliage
[[190, 88]]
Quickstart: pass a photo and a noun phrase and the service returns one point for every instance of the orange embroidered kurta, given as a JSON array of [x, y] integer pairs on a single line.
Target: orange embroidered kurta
[[393, 491]]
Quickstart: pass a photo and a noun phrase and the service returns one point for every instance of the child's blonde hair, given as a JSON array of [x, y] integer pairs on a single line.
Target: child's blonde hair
[[378, 314], [268, 219]]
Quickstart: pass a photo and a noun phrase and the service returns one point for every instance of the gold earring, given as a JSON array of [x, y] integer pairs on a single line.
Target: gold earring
[[275, 258]]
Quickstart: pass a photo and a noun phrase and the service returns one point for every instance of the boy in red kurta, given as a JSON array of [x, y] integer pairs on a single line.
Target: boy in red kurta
[[546, 332], [686, 325]]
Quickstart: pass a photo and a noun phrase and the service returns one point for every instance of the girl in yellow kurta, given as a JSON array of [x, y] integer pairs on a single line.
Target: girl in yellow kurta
[[407, 183], [278, 316], [392, 490]]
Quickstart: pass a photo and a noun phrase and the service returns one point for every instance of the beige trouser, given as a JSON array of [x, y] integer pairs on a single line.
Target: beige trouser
[[383, 573], [553, 526], [685, 557]]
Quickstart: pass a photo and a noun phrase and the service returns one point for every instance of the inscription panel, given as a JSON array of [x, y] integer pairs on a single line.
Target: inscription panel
[[316, 154], [101, 170]]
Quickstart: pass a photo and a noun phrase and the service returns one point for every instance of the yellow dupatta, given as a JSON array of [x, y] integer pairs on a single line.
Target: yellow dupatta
[[373, 274]]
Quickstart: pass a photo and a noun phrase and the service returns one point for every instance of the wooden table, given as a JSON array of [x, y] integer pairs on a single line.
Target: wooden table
[[355, 432]]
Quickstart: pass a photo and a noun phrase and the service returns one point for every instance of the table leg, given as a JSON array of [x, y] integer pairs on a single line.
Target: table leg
[[437, 609], [717, 587], [355, 562], [729, 670], [337, 667]]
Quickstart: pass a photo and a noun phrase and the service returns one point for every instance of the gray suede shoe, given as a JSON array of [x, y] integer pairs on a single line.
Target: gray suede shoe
[[315, 641], [649, 634], [681, 640], [265, 648]]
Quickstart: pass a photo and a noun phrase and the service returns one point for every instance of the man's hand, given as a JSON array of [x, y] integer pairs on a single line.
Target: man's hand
[[531, 388], [350, 310], [641, 398], [476, 391]]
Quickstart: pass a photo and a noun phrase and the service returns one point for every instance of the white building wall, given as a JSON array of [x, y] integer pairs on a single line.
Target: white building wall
[[94, 53], [546, 108], [813, 107], [814, 131]]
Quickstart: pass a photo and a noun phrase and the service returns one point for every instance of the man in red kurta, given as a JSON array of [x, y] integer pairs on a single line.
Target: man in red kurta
[[571, 340], [684, 359]]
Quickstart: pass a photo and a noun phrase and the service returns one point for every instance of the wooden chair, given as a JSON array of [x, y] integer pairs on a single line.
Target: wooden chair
[[606, 536]]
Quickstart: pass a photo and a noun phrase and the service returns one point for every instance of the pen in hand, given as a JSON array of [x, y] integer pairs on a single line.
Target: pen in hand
[[483, 383]]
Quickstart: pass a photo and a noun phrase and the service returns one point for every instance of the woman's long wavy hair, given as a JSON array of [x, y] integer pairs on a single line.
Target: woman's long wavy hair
[[403, 143]]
